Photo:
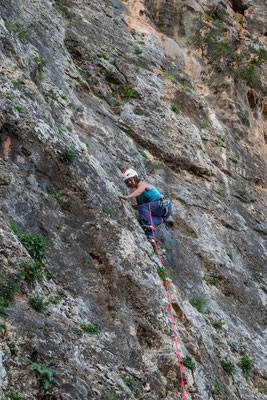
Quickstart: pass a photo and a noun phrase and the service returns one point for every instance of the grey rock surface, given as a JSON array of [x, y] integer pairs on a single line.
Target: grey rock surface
[[101, 79]]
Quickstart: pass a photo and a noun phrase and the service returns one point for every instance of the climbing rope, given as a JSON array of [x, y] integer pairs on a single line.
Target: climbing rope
[[172, 331]]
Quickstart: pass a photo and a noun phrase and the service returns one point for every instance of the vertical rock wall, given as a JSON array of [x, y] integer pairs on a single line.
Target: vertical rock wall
[[87, 90]]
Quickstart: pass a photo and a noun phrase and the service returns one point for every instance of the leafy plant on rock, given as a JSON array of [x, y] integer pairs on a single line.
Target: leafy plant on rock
[[246, 364], [199, 302], [67, 156], [44, 373], [187, 362], [226, 51]]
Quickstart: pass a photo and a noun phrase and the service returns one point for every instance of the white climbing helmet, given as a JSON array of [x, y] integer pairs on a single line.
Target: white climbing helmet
[[129, 173]]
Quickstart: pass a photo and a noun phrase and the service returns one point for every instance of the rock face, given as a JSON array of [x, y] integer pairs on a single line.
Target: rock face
[[89, 89]]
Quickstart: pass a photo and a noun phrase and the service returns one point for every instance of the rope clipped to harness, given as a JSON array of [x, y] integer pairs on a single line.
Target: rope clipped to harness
[[172, 331]]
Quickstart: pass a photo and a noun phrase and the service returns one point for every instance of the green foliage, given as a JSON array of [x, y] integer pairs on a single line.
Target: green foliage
[[187, 362], [223, 138], [230, 255], [220, 180], [162, 274], [53, 300], [143, 64], [218, 143], [9, 98], [246, 364], [225, 52], [38, 303], [217, 324], [13, 396], [93, 329], [106, 210], [247, 282], [103, 55], [41, 64], [93, 223], [21, 31], [234, 160], [3, 326], [204, 125], [243, 193], [199, 302], [228, 367], [217, 386], [44, 373], [233, 346], [57, 195], [3, 306], [112, 396], [143, 153], [130, 382], [32, 272], [67, 156], [175, 108], [173, 79], [51, 93], [171, 388], [210, 281], [34, 244], [19, 108], [127, 93], [9, 285], [137, 111], [133, 32], [18, 84], [60, 6]]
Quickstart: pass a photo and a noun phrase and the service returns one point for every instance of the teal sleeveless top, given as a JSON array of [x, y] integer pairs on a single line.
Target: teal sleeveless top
[[150, 195]]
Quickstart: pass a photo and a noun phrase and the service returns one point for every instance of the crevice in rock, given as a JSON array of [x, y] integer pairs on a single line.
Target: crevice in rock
[[239, 6]]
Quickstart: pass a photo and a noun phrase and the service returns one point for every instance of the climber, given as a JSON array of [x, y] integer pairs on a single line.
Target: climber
[[145, 193]]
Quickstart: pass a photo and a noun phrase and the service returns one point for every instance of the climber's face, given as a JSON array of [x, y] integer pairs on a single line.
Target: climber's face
[[131, 183]]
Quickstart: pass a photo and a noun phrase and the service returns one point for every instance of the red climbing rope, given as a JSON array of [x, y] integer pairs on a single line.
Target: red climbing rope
[[173, 330]]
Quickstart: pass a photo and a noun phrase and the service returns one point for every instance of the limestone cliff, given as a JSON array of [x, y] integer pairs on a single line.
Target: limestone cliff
[[176, 90]]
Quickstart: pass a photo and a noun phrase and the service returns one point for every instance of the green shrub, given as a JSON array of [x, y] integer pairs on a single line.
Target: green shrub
[[143, 153], [9, 286], [130, 382], [19, 108], [234, 160], [230, 255], [246, 364], [34, 244], [3, 326], [228, 367], [44, 373], [187, 362], [67, 156], [3, 306], [32, 272], [65, 12], [217, 386], [243, 193], [13, 396], [175, 109], [199, 302], [162, 274], [210, 281], [93, 329], [222, 49], [133, 32], [41, 64], [57, 195], [217, 325], [223, 139], [127, 93], [38, 303], [204, 125], [171, 388]]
